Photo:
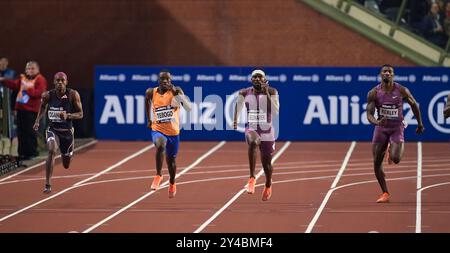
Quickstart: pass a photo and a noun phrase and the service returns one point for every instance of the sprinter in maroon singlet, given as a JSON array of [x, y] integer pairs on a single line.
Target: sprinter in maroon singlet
[[387, 98]]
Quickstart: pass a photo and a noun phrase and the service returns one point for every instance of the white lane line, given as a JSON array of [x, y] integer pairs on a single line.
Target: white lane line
[[244, 176], [43, 162], [206, 223], [439, 168], [419, 193], [200, 159], [79, 183], [419, 186], [333, 185], [434, 185]]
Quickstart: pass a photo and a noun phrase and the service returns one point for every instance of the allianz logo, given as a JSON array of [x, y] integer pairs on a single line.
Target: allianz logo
[[210, 78], [154, 78], [280, 78], [239, 78], [181, 78], [343, 110], [366, 78], [309, 78], [409, 78], [247, 78], [177, 78], [116, 78], [430, 78], [436, 112], [338, 78], [137, 77]]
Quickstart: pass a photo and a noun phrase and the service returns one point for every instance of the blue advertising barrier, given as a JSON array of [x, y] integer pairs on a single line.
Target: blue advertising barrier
[[316, 103]]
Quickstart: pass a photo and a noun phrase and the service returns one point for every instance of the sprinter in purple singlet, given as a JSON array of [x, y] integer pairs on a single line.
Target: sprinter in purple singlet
[[387, 99], [261, 102]]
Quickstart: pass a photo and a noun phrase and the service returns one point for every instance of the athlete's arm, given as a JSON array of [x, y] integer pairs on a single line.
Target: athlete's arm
[[76, 103], [371, 109], [238, 108], [415, 108], [182, 99], [148, 101], [42, 109], [447, 107], [274, 100]]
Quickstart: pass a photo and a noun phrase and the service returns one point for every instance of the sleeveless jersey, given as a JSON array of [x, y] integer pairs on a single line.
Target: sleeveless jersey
[[165, 116], [390, 105], [259, 112], [56, 106]]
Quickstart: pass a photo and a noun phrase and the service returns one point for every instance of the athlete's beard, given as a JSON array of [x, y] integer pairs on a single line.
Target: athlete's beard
[[257, 87], [60, 91], [386, 79]]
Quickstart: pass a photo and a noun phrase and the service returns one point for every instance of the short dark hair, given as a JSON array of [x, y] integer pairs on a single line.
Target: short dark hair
[[164, 71], [387, 65]]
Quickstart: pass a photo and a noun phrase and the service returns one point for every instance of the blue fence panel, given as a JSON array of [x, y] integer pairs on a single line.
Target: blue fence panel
[[317, 103]]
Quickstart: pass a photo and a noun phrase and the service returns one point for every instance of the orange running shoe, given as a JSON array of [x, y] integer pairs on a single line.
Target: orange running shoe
[[267, 193], [172, 190], [384, 198], [251, 185], [156, 181]]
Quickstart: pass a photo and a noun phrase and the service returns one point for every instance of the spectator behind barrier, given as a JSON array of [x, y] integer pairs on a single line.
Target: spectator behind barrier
[[418, 9], [433, 26], [447, 19], [30, 85], [390, 8]]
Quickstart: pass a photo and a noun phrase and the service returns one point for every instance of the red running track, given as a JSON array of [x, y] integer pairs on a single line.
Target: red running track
[[318, 187]]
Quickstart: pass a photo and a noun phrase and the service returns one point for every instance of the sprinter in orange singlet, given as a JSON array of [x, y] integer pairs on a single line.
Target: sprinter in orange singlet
[[165, 103]]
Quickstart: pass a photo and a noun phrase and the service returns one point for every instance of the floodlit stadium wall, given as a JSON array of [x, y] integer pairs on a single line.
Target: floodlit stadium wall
[[316, 103]]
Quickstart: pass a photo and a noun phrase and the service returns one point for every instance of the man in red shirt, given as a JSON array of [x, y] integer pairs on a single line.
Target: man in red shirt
[[30, 85]]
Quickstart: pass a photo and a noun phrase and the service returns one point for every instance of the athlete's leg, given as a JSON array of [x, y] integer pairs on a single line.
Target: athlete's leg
[[397, 145], [380, 142], [171, 154], [66, 147], [378, 152], [397, 152], [66, 161], [267, 148], [172, 167], [266, 161], [52, 145], [253, 140], [160, 142]]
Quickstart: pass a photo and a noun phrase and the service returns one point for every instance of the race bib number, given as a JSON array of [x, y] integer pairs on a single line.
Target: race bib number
[[164, 114], [257, 117], [53, 116], [389, 111]]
